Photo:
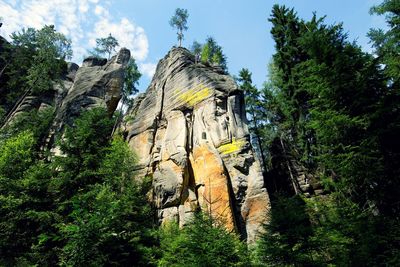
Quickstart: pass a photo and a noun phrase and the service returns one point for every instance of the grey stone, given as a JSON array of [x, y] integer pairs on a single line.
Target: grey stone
[[189, 130]]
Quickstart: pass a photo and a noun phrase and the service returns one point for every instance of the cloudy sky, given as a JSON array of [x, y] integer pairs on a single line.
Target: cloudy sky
[[241, 27]]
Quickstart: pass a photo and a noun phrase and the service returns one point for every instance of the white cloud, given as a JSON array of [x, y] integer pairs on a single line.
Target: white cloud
[[73, 18], [148, 69], [101, 11], [128, 35]]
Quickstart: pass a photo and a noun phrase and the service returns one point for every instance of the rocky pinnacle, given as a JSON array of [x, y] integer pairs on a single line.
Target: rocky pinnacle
[[190, 133]]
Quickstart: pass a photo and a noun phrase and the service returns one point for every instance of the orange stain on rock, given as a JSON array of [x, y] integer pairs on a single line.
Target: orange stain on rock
[[212, 184]]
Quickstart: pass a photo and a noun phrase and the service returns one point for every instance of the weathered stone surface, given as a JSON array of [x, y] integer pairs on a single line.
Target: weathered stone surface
[[52, 98], [190, 134], [97, 83]]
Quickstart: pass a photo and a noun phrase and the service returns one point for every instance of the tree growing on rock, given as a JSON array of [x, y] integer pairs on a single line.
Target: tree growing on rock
[[105, 46], [212, 53], [131, 80], [196, 50], [36, 60], [179, 21]]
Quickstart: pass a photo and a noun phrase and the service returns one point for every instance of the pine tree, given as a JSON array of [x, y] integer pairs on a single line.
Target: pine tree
[[212, 53], [111, 222], [196, 50], [179, 21], [105, 45], [334, 122], [203, 242]]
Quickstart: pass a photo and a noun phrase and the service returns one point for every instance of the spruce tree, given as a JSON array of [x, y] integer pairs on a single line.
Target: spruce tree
[[252, 100]]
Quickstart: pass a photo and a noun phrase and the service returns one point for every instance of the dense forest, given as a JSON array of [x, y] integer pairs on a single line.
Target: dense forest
[[329, 111]]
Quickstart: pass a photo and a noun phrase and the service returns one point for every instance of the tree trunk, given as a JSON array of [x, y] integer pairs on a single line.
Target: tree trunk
[[292, 178], [9, 114], [256, 129], [117, 121], [1, 73]]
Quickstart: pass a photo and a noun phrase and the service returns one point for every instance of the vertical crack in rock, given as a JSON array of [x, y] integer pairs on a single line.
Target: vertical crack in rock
[[191, 136], [239, 224], [156, 124]]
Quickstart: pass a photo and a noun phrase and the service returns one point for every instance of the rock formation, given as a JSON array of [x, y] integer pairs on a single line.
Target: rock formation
[[97, 83], [189, 130]]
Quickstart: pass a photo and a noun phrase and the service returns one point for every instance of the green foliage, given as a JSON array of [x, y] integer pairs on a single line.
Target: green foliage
[[328, 108], [83, 208], [212, 53], [196, 50], [24, 211], [325, 231], [51, 48], [105, 45], [386, 44], [37, 122], [203, 242], [107, 217], [131, 80], [205, 53], [36, 60], [324, 111], [16, 155], [179, 21], [2, 113], [286, 238], [83, 147], [110, 223], [386, 119], [254, 110]]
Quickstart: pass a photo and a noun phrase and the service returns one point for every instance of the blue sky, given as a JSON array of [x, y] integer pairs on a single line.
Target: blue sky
[[240, 27]]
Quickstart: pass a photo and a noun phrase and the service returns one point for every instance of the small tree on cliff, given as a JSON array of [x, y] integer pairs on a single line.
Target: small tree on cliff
[[211, 52], [196, 50], [105, 46], [179, 21]]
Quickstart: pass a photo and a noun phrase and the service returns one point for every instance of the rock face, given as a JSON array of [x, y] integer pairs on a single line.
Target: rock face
[[97, 83], [190, 134]]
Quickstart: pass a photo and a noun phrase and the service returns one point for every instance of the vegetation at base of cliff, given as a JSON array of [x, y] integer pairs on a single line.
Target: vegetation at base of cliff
[[202, 242], [82, 208], [328, 109]]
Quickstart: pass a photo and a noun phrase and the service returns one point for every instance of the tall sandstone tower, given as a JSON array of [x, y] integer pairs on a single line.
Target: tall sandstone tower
[[189, 131]]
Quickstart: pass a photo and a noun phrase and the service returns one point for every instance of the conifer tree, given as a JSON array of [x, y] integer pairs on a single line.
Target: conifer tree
[[106, 46], [179, 21], [252, 100]]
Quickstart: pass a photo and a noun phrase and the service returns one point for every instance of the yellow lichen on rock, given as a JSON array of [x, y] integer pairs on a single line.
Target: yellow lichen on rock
[[195, 95], [233, 147]]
